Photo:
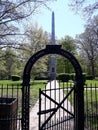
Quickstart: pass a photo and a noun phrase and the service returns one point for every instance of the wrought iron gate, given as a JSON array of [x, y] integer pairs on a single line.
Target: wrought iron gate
[[56, 107], [78, 88]]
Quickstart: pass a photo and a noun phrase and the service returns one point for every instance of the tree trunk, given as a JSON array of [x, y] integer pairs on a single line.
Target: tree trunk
[[92, 68]]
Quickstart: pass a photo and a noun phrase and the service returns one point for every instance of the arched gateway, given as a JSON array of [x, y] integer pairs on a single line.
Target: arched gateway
[[78, 89]]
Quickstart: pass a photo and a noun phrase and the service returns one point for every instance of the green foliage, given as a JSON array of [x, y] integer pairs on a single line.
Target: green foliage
[[9, 63], [84, 77], [64, 77], [63, 65], [89, 77], [73, 77], [40, 68], [42, 76], [68, 43], [12, 61], [15, 78]]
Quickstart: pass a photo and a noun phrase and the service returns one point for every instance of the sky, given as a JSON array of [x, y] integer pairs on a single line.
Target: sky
[[66, 21]]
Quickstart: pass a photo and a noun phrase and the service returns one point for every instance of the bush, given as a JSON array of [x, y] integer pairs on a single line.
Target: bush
[[89, 77], [15, 78], [73, 77], [84, 77], [41, 78], [64, 77]]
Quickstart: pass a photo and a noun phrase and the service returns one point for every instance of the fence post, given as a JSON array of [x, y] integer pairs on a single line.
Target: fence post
[[79, 107], [39, 107]]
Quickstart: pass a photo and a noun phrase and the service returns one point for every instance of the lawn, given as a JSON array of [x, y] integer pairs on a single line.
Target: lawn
[[34, 88], [10, 82], [92, 83], [10, 88]]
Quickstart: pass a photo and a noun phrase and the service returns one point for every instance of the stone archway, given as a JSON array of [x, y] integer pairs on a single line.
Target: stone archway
[[79, 97]]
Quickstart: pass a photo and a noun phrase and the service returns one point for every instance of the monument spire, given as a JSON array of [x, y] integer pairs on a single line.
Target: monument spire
[[53, 29], [52, 57]]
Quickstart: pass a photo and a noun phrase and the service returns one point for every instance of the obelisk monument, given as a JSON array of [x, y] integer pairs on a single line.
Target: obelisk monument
[[52, 57]]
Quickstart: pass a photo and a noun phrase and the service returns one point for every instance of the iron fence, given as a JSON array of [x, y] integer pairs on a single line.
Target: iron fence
[[66, 122], [10, 112], [90, 107]]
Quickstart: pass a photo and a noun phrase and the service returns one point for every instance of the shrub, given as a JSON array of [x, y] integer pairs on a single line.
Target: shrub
[[84, 77], [64, 77], [89, 77], [15, 78], [41, 78], [73, 77]]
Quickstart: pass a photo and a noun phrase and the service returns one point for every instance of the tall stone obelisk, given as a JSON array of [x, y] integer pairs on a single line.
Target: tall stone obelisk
[[53, 30], [52, 57]]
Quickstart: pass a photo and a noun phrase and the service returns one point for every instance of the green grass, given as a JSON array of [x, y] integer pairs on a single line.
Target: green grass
[[20, 82], [34, 90], [91, 107], [89, 83], [10, 89], [10, 82], [92, 83]]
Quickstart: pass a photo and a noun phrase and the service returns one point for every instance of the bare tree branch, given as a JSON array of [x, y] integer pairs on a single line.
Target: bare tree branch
[[85, 7], [14, 11]]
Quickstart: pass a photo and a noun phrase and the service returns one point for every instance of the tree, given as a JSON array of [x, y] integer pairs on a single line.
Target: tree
[[11, 63], [13, 11], [35, 39], [63, 65], [88, 43], [68, 43], [2, 65], [86, 7]]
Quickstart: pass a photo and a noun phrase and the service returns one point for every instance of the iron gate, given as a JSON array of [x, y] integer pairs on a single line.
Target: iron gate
[[78, 88], [56, 107]]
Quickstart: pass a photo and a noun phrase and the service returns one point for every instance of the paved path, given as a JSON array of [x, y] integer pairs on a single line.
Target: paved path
[[55, 95]]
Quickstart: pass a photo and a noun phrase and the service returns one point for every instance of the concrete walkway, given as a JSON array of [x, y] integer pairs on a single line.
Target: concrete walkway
[[58, 97]]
